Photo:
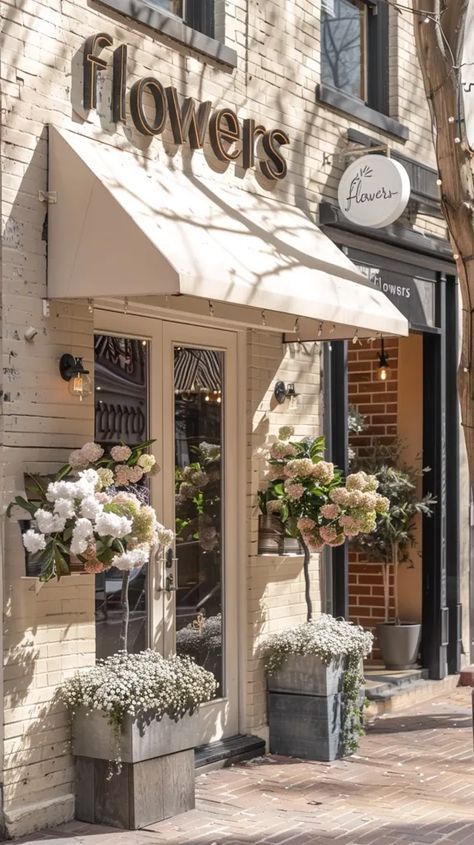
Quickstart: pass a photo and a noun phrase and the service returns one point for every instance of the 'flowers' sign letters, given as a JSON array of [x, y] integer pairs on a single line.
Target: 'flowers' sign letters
[[190, 121], [374, 191]]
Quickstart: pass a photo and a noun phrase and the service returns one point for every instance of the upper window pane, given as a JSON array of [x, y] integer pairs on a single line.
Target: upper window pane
[[175, 7], [343, 51]]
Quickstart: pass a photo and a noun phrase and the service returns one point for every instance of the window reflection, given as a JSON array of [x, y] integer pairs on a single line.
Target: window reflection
[[175, 7], [121, 414], [343, 50], [198, 505]]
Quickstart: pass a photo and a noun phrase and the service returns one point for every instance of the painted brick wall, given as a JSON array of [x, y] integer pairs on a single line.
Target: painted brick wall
[[275, 584], [377, 401]]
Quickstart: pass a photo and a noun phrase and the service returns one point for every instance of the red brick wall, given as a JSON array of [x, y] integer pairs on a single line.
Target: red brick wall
[[377, 401]]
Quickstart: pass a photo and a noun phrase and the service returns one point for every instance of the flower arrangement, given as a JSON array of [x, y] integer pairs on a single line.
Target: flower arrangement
[[198, 497], [139, 685], [330, 639], [307, 491], [312, 501], [90, 519], [201, 638]]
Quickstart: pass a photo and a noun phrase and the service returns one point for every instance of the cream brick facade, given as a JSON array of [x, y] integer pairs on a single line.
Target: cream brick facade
[[50, 633]]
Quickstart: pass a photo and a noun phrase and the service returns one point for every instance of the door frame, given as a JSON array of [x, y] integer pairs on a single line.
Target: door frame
[[135, 322]]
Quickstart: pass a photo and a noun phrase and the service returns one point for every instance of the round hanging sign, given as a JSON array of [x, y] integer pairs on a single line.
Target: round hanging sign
[[373, 191]]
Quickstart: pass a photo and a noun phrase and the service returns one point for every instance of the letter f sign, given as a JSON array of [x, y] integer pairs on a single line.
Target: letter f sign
[[92, 64]]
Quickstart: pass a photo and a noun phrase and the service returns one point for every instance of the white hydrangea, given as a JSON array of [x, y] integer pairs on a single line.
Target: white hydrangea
[[91, 508], [131, 559], [110, 524], [48, 522], [92, 452], [61, 490], [165, 535], [146, 462], [82, 533], [65, 508], [33, 542]]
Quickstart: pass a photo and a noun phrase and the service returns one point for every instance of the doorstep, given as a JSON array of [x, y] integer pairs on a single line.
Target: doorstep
[[226, 752], [388, 690]]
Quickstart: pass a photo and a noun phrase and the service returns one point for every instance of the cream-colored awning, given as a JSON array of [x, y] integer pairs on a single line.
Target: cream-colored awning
[[125, 226]]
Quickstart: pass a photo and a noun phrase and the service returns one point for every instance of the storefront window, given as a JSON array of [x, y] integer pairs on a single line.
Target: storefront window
[[173, 6], [121, 414], [198, 385]]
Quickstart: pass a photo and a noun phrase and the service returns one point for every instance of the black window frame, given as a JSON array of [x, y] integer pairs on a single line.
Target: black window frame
[[375, 110], [196, 30]]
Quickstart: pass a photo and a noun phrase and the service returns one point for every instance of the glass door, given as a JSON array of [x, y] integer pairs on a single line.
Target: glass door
[[177, 384]]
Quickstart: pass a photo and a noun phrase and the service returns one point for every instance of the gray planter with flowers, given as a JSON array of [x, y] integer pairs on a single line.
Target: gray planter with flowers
[[133, 736], [155, 769], [315, 688]]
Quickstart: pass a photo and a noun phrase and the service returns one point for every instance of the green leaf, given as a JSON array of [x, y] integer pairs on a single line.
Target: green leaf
[[23, 503]]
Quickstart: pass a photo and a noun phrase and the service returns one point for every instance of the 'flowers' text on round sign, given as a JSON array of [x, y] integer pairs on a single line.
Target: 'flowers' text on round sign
[[374, 191]]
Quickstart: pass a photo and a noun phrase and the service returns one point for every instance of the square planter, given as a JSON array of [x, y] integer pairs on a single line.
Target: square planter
[[156, 780], [308, 675], [306, 726]]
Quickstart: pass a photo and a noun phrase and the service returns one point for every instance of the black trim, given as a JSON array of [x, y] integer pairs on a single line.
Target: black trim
[[225, 752], [360, 111], [330, 216], [434, 607], [378, 53], [174, 28], [453, 530], [337, 439]]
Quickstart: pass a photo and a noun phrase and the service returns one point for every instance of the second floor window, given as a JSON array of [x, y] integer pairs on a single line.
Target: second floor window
[[354, 50], [198, 14]]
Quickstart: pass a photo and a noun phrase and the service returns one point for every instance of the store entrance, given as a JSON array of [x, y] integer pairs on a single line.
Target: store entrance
[[175, 384]]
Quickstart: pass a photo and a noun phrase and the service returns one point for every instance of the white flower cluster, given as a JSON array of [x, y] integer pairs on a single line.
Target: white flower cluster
[[327, 637], [115, 530], [135, 684], [200, 640]]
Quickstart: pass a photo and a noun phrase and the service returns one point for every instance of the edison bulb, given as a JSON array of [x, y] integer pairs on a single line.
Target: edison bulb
[[80, 386]]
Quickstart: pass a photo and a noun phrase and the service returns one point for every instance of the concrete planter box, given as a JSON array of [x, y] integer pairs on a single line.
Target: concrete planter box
[[157, 776], [308, 675], [306, 708]]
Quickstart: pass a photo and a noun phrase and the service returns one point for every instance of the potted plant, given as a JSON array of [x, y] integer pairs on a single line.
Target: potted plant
[[389, 545], [314, 680], [315, 504], [132, 713], [310, 498]]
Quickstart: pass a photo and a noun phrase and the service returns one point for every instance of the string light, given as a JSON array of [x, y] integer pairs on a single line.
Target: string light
[[320, 330], [264, 318], [90, 306], [125, 306], [211, 309]]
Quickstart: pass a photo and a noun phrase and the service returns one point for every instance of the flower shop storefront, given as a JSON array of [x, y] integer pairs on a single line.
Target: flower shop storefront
[[171, 365]]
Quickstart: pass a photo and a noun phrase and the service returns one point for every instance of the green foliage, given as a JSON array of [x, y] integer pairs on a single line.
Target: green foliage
[[396, 526]]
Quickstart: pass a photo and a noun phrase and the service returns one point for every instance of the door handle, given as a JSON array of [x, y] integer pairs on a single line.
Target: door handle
[[168, 582]]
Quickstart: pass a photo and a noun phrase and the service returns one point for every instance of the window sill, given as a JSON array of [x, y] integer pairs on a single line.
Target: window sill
[[173, 27], [357, 109]]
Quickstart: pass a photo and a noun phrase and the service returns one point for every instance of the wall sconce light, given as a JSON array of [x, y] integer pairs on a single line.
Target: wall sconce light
[[383, 371], [284, 391], [72, 370]]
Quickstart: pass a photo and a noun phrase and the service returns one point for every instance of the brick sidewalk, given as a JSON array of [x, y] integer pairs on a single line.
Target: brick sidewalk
[[412, 783]]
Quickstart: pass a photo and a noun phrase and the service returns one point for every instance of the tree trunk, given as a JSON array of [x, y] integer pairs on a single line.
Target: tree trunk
[[395, 562], [307, 583], [439, 43], [125, 604], [386, 590]]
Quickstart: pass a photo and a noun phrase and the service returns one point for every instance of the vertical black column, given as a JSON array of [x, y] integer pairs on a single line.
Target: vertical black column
[[434, 606], [453, 563], [335, 415]]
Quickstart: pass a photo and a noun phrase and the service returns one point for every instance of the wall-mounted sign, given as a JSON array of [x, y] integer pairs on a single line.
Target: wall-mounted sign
[[154, 106], [467, 74], [374, 191]]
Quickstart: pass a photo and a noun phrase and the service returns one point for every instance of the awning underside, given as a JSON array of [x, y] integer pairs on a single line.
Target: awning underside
[[125, 226]]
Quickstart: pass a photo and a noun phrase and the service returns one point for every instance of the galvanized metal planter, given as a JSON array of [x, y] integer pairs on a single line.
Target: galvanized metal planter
[[305, 708], [156, 780]]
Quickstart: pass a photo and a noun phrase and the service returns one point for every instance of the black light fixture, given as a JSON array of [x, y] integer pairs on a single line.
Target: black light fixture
[[284, 391], [383, 371], [73, 371]]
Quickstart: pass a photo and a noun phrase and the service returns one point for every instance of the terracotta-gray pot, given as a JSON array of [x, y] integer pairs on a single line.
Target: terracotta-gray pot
[[270, 535], [399, 643]]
